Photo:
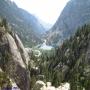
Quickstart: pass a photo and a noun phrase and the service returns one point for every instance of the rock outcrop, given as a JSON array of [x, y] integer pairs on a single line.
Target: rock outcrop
[[14, 59], [40, 85], [21, 48]]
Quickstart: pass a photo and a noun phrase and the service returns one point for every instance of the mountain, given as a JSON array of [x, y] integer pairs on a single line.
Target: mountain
[[75, 14], [26, 25]]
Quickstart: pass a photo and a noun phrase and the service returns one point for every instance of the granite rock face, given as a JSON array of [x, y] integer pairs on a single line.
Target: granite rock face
[[14, 59]]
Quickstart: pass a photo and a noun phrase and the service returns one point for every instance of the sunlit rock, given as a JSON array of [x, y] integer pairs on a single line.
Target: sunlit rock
[[64, 86], [38, 85], [49, 87], [22, 50]]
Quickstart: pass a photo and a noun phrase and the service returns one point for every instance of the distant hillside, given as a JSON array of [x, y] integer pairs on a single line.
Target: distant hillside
[[76, 13], [47, 26], [25, 24]]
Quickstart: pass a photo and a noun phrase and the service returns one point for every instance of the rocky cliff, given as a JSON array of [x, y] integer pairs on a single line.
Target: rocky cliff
[[14, 58]]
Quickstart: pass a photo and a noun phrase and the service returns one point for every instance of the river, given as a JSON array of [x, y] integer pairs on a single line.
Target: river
[[44, 46]]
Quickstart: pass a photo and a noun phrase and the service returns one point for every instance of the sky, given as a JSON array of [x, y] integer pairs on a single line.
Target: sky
[[46, 10]]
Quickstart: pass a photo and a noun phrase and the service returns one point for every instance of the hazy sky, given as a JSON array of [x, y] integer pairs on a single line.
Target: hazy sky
[[47, 10]]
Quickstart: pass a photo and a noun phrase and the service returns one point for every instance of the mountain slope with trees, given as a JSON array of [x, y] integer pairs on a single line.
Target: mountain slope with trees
[[26, 25], [70, 62], [75, 14]]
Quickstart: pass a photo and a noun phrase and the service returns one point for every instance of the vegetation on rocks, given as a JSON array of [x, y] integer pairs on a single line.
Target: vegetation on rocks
[[4, 81]]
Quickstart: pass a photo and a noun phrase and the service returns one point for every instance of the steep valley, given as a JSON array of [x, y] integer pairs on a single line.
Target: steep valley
[[58, 61]]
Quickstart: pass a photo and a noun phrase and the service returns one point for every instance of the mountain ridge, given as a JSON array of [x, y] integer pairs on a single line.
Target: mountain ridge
[[74, 15], [25, 24]]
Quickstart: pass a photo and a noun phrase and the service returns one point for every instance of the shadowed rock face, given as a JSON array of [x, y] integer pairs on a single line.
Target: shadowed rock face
[[13, 59]]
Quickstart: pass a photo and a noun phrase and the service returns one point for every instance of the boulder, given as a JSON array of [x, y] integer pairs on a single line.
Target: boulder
[[64, 86], [38, 85], [49, 87]]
